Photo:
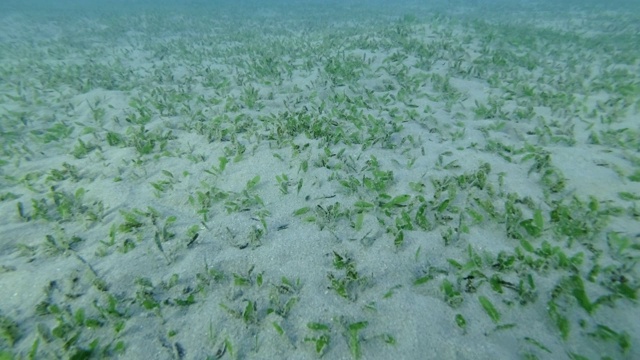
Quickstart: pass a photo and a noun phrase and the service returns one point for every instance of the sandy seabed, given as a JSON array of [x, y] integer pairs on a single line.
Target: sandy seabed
[[297, 182]]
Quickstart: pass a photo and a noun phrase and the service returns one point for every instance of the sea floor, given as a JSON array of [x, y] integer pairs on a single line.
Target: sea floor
[[303, 182]]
